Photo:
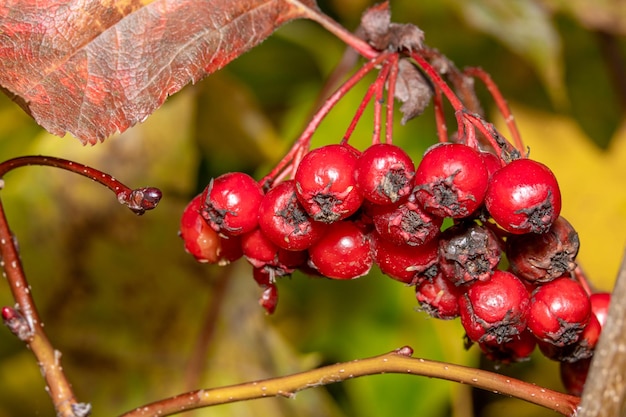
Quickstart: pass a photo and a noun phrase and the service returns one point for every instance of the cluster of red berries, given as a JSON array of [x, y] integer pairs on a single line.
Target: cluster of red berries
[[345, 210]]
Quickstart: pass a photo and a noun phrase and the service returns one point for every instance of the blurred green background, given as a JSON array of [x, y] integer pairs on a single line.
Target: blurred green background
[[137, 319]]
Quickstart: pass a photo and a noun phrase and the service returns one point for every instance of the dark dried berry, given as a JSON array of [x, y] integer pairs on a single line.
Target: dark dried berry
[[468, 252], [540, 258]]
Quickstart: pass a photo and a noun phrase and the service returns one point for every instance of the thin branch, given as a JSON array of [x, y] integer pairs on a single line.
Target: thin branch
[[398, 361], [24, 320], [27, 319]]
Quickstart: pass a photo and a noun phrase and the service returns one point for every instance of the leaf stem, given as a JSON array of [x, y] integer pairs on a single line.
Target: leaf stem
[[398, 361]]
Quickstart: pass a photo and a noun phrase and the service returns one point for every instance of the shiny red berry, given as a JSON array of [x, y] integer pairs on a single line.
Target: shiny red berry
[[600, 302], [384, 173], [559, 311], [451, 180], [404, 263], [344, 252], [202, 241], [325, 183], [230, 203], [540, 258], [524, 197], [495, 311], [285, 222]]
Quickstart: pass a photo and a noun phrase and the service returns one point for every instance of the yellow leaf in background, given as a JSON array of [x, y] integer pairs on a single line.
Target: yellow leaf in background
[[593, 186]]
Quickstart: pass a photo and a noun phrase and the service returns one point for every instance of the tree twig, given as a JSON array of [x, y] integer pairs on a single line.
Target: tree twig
[[605, 389], [398, 361]]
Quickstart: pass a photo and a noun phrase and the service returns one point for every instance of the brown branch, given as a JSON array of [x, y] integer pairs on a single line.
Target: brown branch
[[605, 389], [399, 361], [27, 319]]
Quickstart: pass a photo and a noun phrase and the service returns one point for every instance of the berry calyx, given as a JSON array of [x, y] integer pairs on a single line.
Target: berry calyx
[[325, 183], [451, 180], [285, 222], [384, 173], [230, 203], [523, 197], [342, 253], [405, 223]]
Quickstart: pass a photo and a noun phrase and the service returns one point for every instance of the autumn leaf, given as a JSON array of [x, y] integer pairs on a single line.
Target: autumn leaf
[[93, 68]]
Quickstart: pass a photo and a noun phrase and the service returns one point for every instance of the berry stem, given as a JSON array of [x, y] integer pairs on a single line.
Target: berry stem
[[440, 117], [503, 107], [138, 200], [303, 142], [391, 92], [336, 29], [398, 361]]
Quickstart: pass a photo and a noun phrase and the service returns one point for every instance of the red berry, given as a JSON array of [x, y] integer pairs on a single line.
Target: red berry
[[269, 296], [202, 241], [559, 311], [325, 183], [406, 223], [231, 203], [342, 253], [438, 297], [408, 264], [574, 375], [384, 173], [468, 252], [451, 180], [258, 249], [263, 254], [495, 311], [540, 258], [523, 197], [491, 161], [582, 349], [518, 349], [600, 302], [285, 222]]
